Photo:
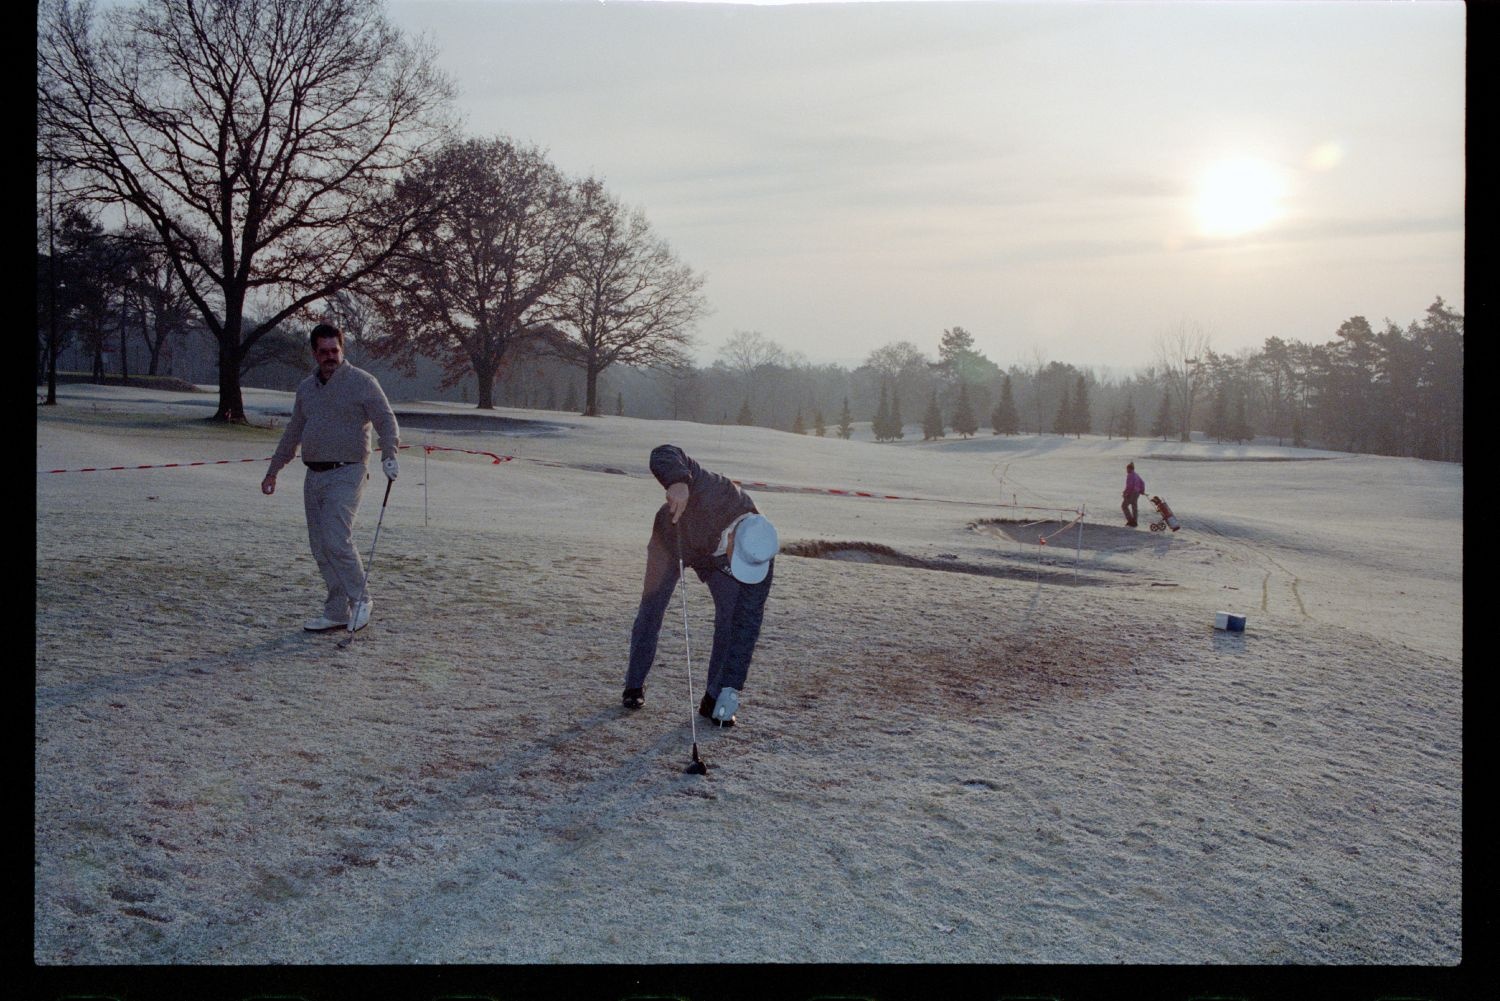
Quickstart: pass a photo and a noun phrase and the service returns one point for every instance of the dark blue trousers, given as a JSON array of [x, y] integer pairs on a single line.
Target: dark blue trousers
[[738, 611]]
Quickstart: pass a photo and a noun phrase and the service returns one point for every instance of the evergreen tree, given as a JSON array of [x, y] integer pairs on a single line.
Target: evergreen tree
[[1083, 419], [897, 425], [881, 425], [846, 421], [619, 404], [1004, 418], [964, 422], [819, 428], [1218, 418], [1165, 420], [746, 417], [797, 426], [1063, 422], [1242, 430], [1127, 419], [932, 421]]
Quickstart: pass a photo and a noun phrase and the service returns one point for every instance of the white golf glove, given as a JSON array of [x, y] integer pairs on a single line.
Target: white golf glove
[[389, 465]]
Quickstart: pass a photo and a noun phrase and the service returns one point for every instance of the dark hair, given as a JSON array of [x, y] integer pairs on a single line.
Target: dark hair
[[324, 330], [1129, 465]]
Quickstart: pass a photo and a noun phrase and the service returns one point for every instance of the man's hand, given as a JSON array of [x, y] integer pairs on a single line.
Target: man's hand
[[677, 498], [389, 465], [268, 485]]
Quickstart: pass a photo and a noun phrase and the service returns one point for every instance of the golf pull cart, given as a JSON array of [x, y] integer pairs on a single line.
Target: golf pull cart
[[1167, 519]]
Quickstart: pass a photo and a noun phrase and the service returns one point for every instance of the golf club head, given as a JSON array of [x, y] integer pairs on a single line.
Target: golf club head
[[697, 767]]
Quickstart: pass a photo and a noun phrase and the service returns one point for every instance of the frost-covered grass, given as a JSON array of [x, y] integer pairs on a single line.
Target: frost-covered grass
[[1047, 757]]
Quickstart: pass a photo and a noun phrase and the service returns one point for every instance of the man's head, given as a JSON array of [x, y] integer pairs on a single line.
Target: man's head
[[327, 347], [1130, 467]]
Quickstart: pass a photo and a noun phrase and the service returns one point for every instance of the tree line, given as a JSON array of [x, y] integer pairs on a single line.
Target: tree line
[[270, 162], [289, 159], [1398, 391]]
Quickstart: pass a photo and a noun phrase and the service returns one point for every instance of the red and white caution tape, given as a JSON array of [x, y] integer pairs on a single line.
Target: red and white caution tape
[[164, 465], [1043, 540], [495, 460], [821, 490], [444, 448], [837, 492]]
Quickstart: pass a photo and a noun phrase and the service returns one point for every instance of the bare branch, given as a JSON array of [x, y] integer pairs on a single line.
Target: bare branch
[[258, 138]]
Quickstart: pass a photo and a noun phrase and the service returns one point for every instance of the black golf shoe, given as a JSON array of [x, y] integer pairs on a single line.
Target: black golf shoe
[[633, 698]]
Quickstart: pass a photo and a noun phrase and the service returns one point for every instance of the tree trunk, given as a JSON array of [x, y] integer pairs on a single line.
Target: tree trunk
[[484, 383], [53, 349], [153, 350], [231, 399], [591, 391], [124, 353]]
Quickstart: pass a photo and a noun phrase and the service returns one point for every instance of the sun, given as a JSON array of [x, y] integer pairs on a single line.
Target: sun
[[1238, 196]]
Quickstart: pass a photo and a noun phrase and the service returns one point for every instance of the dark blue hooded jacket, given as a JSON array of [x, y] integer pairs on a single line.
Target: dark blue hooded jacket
[[714, 501]]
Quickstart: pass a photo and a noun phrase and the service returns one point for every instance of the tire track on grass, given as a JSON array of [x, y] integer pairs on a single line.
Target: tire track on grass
[[1291, 581], [511, 831]]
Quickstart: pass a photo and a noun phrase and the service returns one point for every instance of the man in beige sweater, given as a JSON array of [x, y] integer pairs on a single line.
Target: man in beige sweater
[[331, 420]]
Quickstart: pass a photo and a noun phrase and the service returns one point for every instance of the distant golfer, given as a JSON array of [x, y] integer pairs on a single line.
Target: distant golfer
[[1134, 487], [712, 526], [331, 420]]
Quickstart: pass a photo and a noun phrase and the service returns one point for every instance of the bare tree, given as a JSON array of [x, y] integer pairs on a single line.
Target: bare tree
[[908, 369], [50, 346], [748, 350], [628, 298], [683, 387], [749, 354], [278, 360], [894, 359], [160, 297], [258, 138], [1032, 373], [485, 269], [99, 264], [1180, 354]]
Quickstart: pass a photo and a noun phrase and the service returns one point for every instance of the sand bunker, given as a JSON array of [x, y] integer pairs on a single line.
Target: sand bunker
[[1095, 537], [880, 555]]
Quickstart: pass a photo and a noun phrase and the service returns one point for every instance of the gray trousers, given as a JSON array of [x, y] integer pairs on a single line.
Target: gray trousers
[[332, 500]]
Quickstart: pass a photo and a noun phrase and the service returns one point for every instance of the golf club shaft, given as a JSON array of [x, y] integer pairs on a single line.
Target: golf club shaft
[[687, 641], [365, 584]]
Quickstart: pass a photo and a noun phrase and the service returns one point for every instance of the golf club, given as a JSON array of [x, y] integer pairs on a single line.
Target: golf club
[[363, 595], [697, 767]]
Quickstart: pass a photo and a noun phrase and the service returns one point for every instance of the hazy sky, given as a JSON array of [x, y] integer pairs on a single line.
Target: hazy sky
[[1065, 178]]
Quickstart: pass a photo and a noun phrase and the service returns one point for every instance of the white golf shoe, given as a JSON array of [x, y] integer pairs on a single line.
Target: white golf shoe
[[361, 617], [726, 706], [322, 624]]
